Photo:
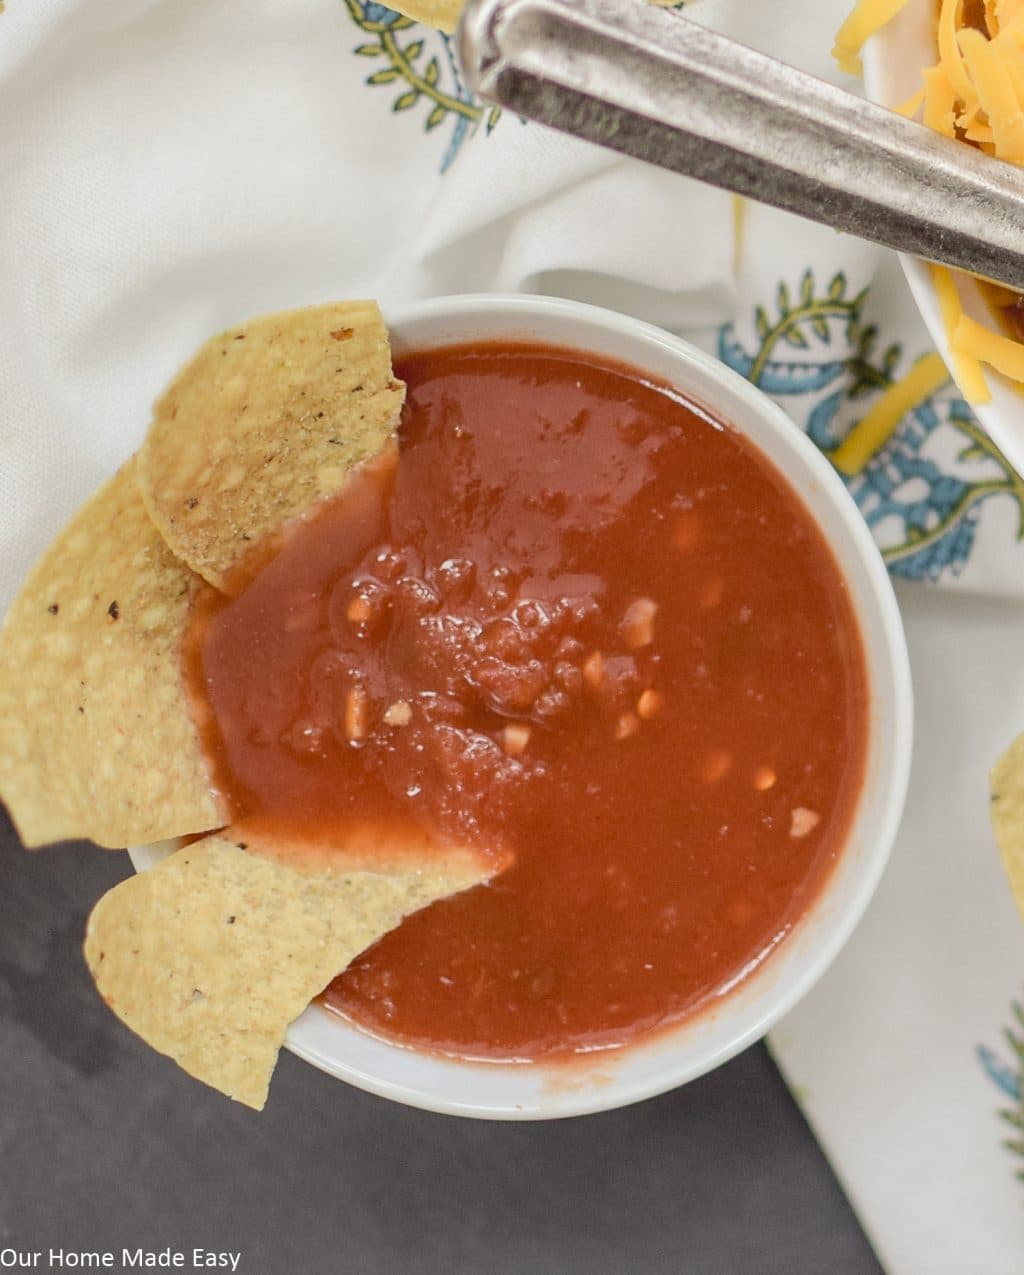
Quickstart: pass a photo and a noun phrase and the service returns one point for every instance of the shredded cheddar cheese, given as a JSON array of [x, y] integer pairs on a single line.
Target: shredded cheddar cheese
[[967, 373], [940, 101], [739, 225], [992, 73], [912, 105], [982, 134], [974, 93], [1006, 11], [871, 434], [950, 56], [868, 16], [1001, 352]]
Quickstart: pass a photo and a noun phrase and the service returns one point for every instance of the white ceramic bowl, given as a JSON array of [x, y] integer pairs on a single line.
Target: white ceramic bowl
[[893, 61], [611, 1079]]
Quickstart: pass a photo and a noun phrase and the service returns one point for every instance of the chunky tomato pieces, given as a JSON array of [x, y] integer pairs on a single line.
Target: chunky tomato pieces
[[576, 620]]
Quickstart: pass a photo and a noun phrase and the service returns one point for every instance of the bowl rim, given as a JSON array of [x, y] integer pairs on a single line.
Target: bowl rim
[[309, 1036]]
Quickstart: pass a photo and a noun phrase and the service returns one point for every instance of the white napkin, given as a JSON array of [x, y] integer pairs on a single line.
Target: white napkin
[[170, 169], [900, 1056]]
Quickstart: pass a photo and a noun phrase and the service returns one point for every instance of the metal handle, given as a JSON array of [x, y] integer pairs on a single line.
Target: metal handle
[[654, 85]]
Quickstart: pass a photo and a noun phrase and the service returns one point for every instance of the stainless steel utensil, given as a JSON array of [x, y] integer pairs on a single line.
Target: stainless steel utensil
[[653, 84]]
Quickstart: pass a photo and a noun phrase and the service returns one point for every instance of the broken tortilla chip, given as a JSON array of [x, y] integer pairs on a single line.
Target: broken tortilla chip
[[1007, 810], [210, 955], [95, 735], [263, 423]]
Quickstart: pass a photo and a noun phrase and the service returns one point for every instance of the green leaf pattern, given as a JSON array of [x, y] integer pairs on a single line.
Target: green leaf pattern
[[923, 494], [421, 64]]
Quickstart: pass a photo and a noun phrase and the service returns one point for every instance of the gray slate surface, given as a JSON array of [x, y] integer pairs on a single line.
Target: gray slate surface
[[104, 1145]]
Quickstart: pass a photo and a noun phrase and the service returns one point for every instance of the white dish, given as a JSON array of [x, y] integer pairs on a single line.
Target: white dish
[[893, 61], [679, 1054]]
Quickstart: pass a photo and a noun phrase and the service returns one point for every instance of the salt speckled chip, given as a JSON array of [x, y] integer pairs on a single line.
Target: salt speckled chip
[[263, 423], [1007, 810], [210, 955], [96, 739]]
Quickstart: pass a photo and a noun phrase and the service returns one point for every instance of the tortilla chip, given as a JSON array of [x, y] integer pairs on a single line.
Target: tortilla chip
[[264, 422], [1007, 780], [95, 735], [211, 954], [443, 15]]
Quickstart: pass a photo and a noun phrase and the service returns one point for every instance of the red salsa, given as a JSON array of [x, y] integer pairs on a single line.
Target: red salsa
[[578, 621]]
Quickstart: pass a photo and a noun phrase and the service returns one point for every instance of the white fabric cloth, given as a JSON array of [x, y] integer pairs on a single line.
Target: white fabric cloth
[[170, 169], [899, 1056]]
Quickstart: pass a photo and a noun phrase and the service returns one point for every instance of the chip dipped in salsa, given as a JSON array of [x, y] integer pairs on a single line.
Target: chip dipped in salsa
[[579, 623]]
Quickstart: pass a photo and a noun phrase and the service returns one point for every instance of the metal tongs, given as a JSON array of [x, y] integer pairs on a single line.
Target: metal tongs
[[654, 85]]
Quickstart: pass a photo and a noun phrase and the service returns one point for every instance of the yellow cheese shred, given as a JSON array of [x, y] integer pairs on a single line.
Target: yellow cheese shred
[[1006, 11], [950, 56], [972, 118], [980, 133], [975, 92], [1009, 51], [939, 101], [991, 70], [867, 17], [912, 105], [1001, 352], [739, 226], [967, 373], [871, 433]]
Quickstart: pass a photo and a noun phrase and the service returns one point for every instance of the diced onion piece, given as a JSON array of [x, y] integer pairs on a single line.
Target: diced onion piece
[[359, 610], [515, 738], [638, 623], [399, 713], [627, 725], [803, 821], [649, 705], [356, 713], [593, 670]]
